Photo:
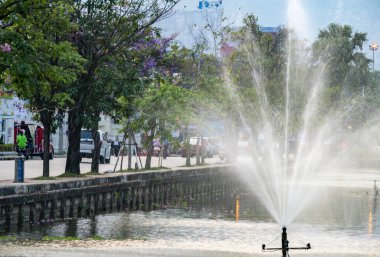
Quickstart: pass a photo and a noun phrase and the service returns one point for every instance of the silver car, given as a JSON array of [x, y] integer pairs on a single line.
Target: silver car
[[87, 146]]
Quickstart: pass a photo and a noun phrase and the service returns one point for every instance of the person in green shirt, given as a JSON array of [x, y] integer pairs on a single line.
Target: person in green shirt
[[22, 142]]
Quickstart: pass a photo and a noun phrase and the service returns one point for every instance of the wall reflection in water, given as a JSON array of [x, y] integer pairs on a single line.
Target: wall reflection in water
[[353, 211]]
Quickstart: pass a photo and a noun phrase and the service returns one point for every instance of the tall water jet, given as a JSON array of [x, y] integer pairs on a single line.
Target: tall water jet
[[301, 134]]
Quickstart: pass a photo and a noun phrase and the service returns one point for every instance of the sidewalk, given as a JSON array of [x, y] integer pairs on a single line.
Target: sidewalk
[[33, 168], [11, 155]]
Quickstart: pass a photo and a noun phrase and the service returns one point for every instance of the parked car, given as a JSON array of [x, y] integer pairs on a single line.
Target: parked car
[[87, 146]]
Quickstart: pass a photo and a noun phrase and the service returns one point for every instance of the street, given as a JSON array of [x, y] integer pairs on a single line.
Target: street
[[33, 167]]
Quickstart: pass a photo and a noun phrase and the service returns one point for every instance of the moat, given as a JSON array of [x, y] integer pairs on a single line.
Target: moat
[[339, 220]]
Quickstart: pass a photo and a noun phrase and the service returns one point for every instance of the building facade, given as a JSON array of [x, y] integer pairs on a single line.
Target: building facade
[[194, 24]]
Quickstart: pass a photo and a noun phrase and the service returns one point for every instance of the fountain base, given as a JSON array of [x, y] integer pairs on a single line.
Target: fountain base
[[285, 245]]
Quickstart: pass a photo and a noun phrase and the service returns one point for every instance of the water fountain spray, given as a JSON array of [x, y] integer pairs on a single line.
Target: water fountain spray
[[285, 245]]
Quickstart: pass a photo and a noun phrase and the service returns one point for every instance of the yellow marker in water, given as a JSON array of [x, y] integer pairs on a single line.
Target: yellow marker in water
[[237, 210]]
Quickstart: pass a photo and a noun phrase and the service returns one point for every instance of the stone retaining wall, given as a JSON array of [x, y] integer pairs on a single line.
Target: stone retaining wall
[[20, 204]]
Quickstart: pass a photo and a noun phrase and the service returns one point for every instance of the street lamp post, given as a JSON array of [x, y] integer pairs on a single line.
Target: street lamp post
[[373, 47]]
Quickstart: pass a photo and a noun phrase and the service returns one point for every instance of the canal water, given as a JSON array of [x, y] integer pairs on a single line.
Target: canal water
[[338, 220]]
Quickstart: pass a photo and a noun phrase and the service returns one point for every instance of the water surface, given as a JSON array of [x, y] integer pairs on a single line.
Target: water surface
[[338, 220]]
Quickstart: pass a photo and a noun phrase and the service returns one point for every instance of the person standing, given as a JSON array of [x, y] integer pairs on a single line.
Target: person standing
[[22, 142], [27, 133], [116, 146], [166, 148]]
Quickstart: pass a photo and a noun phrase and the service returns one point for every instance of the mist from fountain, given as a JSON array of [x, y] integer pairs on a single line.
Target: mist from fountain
[[285, 168]]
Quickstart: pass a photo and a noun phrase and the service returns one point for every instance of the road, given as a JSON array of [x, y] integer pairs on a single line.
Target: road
[[33, 167]]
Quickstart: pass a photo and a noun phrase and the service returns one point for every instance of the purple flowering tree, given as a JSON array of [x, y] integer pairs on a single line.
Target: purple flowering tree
[[157, 103], [109, 32], [6, 48], [152, 54]]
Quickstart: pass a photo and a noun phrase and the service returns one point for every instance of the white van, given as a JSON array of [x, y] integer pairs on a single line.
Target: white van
[[87, 146]]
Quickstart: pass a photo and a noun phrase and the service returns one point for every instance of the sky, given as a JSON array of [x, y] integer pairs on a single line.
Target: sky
[[310, 16]]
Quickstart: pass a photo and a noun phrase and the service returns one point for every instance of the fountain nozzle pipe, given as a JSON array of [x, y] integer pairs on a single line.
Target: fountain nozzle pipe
[[285, 245], [284, 242]]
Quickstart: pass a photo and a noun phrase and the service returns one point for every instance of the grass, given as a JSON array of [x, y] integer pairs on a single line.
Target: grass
[[8, 238], [71, 175], [155, 168], [60, 238], [44, 178], [133, 170], [97, 237], [91, 173]]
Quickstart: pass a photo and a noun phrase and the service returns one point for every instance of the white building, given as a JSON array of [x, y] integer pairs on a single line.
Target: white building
[[108, 125], [194, 24], [12, 110]]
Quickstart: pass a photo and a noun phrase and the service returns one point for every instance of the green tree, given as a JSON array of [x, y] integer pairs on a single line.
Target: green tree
[[42, 64], [201, 73], [256, 71], [339, 48], [161, 110], [106, 28], [348, 72]]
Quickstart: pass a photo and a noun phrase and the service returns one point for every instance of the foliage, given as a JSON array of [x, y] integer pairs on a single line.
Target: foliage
[[339, 47], [40, 64], [165, 103], [6, 147], [107, 31], [200, 73], [256, 72], [348, 77], [270, 72], [89, 57]]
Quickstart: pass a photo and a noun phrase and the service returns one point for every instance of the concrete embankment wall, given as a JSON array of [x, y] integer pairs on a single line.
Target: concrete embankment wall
[[31, 203]]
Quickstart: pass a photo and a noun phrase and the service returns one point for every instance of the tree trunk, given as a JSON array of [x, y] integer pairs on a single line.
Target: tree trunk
[[122, 156], [188, 147], [60, 140], [96, 151], [160, 156], [73, 151], [130, 150], [203, 150], [150, 149], [198, 151], [46, 119]]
